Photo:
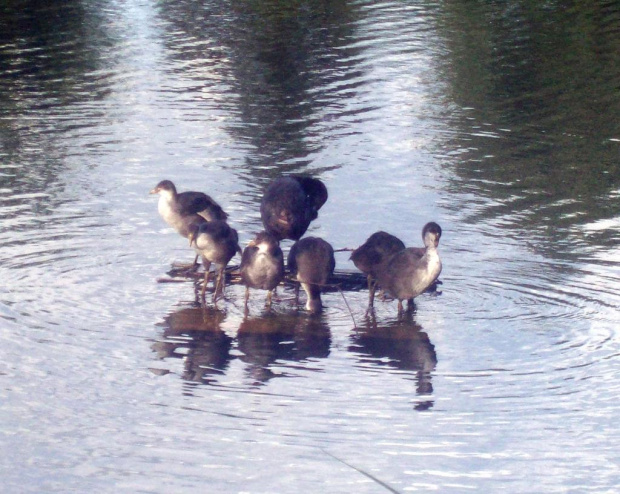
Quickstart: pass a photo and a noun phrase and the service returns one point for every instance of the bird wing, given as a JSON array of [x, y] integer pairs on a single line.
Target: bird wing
[[200, 203]]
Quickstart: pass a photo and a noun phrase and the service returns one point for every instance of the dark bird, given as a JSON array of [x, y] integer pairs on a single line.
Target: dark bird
[[311, 262], [411, 271], [372, 256], [217, 243], [289, 205], [262, 265], [186, 211]]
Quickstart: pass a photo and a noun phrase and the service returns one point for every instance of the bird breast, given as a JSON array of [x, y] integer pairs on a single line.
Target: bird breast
[[431, 270], [166, 209], [265, 271], [265, 264]]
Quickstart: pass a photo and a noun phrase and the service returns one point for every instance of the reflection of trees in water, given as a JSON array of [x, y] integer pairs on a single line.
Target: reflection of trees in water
[[50, 50], [399, 345], [282, 62], [274, 337], [194, 335], [539, 84], [52, 74]]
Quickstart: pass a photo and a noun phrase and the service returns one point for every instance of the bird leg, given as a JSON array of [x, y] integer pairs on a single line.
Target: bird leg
[[219, 289], [207, 265], [204, 285], [371, 291], [269, 296], [247, 296], [313, 302], [297, 293]]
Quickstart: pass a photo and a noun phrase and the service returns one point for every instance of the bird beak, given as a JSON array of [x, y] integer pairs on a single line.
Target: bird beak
[[191, 238]]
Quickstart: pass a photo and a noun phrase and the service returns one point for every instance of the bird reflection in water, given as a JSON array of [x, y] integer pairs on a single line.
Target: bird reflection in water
[[402, 345], [273, 337], [195, 335], [266, 344]]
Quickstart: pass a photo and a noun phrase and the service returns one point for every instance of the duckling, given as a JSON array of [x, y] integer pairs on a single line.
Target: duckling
[[372, 255], [175, 207], [411, 271], [311, 261], [217, 243], [289, 205], [185, 211], [262, 265]]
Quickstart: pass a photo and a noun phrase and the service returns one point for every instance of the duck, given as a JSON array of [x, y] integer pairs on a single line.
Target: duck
[[217, 243], [412, 270], [186, 211], [372, 255], [262, 265], [311, 262], [175, 207], [290, 204]]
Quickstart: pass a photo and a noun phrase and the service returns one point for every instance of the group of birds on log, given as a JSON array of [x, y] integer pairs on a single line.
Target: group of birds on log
[[288, 206]]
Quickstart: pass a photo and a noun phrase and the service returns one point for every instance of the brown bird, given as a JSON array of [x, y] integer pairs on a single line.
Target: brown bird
[[262, 265], [411, 271], [311, 262], [185, 211], [372, 255], [217, 243]]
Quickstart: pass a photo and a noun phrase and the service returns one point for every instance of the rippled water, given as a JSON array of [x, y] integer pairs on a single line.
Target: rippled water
[[497, 120]]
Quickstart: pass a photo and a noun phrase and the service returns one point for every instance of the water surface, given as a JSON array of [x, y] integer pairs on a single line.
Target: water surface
[[498, 121]]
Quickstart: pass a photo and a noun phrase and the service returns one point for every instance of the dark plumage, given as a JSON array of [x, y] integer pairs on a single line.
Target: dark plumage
[[262, 265], [411, 271], [311, 262], [217, 243], [289, 205], [186, 211], [372, 256], [179, 210]]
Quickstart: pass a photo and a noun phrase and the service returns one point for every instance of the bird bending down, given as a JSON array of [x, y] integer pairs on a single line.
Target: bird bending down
[[185, 211], [289, 205], [311, 262], [372, 256], [262, 265], [411, 271], [217, 243]]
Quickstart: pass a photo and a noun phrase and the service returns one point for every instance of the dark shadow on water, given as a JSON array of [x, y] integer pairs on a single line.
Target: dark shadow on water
[[194, 335], [281, 341], [272, 338], [399, 344], [268, 344]]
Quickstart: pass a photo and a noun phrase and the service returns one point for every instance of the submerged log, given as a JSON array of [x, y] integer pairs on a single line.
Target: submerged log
[[343, 280]]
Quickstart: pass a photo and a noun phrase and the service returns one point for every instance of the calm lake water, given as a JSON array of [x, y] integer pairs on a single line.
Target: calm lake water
[[498, 120]]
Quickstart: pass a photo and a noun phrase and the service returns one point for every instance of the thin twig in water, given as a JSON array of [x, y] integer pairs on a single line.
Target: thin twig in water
[[370, 476], [345, 303]]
